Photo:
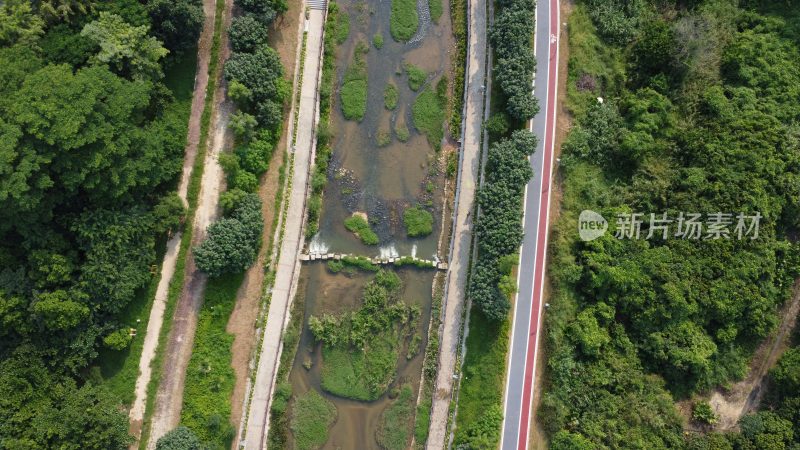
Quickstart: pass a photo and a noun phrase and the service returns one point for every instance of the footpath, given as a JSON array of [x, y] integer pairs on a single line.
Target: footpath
[[288, 267], [468, 176]]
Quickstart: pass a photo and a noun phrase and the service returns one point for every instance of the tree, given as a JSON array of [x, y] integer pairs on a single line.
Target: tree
[[18, 23], [176, 23], [63, 10], [61, 310], [262, 74], [247, 34], [129, 50], [264, 10], [232, 242], [180, 438]]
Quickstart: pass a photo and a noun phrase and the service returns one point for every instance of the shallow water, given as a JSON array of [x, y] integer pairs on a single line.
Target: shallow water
[[381, 181]]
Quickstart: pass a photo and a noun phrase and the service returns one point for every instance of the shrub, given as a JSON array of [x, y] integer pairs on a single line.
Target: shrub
[[232, 242], [418, 222], [390, 96], [404, 20], [359, 226], [377, 41], [515, 63], [703, 413], [180, 438], [335, 266], [497, 125], [416, 76], [246, 34], [118, 340]]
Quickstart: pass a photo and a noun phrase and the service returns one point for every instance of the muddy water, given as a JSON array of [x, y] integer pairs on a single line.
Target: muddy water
[[357, 421], [383, 181]]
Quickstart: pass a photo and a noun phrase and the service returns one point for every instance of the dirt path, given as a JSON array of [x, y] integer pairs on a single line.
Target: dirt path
[[156, 319], [744, 397], [242, 324], [169, 397]]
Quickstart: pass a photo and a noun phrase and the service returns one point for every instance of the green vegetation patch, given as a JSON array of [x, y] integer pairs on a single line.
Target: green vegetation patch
[[416, 76], [404, 19], [384, 138], [402, 133], [418, 221], [360, 227], [209, 377], [436, 8], [312, 416], [353, 93], [361, 348], [481, 393], [394, 427], [342, 28], [390, 96], [428, 114], [377, 41]]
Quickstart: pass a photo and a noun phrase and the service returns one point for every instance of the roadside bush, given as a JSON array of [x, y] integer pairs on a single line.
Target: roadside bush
[[418, 222], [511, 37], [499, 227]]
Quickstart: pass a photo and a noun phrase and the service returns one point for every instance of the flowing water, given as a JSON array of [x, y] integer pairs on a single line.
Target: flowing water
[[381, 182]]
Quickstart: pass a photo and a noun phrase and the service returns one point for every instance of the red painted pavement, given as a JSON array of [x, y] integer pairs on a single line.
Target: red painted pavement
[[541, 238]]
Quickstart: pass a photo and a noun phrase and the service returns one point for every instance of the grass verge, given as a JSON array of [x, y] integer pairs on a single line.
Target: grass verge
[[458, 16], [209, 376], [483, 377]]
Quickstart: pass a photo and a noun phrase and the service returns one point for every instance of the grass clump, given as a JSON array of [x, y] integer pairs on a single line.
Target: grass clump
[[404, 20], [377, 41], [418, 222], [342, 28], [384, 138], [390, 96], [428, 114], [394, 428], [354, 89], [416, 76], [436, 8], [411, 261], [402, 133], [360, 262], [312, 415], [360, 227], [361, 348]]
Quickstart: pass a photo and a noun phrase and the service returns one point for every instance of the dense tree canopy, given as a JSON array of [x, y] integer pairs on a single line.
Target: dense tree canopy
[[702, 120], [91, 143], [515, 62]]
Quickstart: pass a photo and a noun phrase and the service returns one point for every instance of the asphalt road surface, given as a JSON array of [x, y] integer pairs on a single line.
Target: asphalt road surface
[[528, 305]]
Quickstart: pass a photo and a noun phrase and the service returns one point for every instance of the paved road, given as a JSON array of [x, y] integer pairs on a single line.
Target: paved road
[[288, 268], [455, 285], [528, 306]]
